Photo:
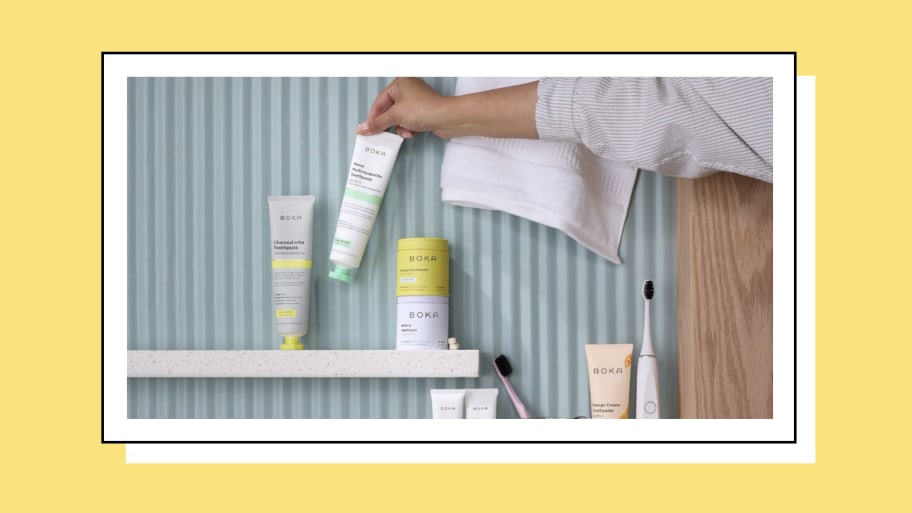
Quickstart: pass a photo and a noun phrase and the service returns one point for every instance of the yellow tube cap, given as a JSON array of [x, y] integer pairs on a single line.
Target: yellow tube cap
[[292, 342]]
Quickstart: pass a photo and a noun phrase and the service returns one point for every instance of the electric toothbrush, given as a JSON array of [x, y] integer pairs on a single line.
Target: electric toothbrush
[[647, 396]]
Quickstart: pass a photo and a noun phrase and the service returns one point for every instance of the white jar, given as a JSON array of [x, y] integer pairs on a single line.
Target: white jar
[[422, 322]]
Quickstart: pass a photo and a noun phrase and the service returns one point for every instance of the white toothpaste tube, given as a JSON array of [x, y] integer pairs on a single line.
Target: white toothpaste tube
[[291, 232], [447, 404], [368, 175], [481, 403]]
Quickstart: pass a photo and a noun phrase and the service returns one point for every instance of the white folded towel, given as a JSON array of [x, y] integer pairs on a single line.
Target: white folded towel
[[564, 186]]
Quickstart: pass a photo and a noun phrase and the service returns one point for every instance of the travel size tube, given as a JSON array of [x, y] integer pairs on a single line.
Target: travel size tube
[[291, 232], [481, 403], [368, 175], [609, 379], [447, 404]]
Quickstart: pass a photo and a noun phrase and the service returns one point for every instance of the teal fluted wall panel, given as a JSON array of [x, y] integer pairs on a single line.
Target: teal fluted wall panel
[[204, 153]]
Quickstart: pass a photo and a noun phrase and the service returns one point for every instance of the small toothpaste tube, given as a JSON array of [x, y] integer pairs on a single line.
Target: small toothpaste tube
[[291, 231], [368, 175], [609, 379], [447, 404], [481, 403]]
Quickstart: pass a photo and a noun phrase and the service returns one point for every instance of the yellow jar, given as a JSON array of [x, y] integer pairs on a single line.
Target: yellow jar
[[423, 267]]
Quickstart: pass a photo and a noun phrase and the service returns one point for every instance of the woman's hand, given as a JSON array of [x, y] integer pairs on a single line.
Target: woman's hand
[[412, 106]]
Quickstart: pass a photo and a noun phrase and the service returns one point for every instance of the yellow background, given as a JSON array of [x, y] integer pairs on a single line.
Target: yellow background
[[52, 458]]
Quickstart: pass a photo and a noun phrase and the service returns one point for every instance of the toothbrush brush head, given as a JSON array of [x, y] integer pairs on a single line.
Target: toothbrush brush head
[[503, 366]]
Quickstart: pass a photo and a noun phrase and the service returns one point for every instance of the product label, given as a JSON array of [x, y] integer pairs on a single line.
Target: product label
[[422, 325], [365, 184], [290, 249], [422, 273], [356, 220], [356, 215], [609, 411], [609, 386], [288, 285]]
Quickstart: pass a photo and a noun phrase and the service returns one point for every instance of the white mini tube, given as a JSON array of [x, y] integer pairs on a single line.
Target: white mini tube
[[291, 232], [447, 404], [368, 175], [481, 403]]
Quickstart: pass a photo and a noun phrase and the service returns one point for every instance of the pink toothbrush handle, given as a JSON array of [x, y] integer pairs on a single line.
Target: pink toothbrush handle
[[520, 407]]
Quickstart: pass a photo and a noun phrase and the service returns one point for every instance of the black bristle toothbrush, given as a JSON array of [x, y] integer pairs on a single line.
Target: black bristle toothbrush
[[503, 369]]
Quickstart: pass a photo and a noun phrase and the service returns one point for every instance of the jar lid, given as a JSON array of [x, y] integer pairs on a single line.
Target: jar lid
[[424, 243]]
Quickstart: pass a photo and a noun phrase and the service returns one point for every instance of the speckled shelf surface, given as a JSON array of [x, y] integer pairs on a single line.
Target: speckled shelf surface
[[302, 364]]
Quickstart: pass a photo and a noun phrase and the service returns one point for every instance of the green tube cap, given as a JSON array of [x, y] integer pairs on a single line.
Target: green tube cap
[[341, 273], [291, 342]]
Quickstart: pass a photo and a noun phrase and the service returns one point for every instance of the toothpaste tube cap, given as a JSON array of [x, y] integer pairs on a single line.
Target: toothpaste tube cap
[[341, 273], [291, 342]]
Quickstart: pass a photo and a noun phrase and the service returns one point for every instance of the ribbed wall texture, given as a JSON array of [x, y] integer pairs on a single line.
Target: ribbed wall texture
[[203, 155]]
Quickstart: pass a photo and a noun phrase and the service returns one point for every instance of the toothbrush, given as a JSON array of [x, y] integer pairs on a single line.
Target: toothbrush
[[647, 398], [503, 369]]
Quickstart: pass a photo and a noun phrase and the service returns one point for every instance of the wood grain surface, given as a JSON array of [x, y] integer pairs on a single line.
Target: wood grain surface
[[725, 297]]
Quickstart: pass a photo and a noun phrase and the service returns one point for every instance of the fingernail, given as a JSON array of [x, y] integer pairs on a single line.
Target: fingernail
[[362, 127]]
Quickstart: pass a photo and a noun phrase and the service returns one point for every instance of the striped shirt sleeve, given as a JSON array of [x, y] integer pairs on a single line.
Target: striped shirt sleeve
[[687, 127]]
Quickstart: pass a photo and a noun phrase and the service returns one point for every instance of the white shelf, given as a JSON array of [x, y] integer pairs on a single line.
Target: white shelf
[[303, 364]]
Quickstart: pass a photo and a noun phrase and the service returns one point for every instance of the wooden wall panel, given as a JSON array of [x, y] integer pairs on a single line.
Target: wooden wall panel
[[725, 297]]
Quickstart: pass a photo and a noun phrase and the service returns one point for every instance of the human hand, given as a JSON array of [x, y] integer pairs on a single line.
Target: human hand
[[410, 105]]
